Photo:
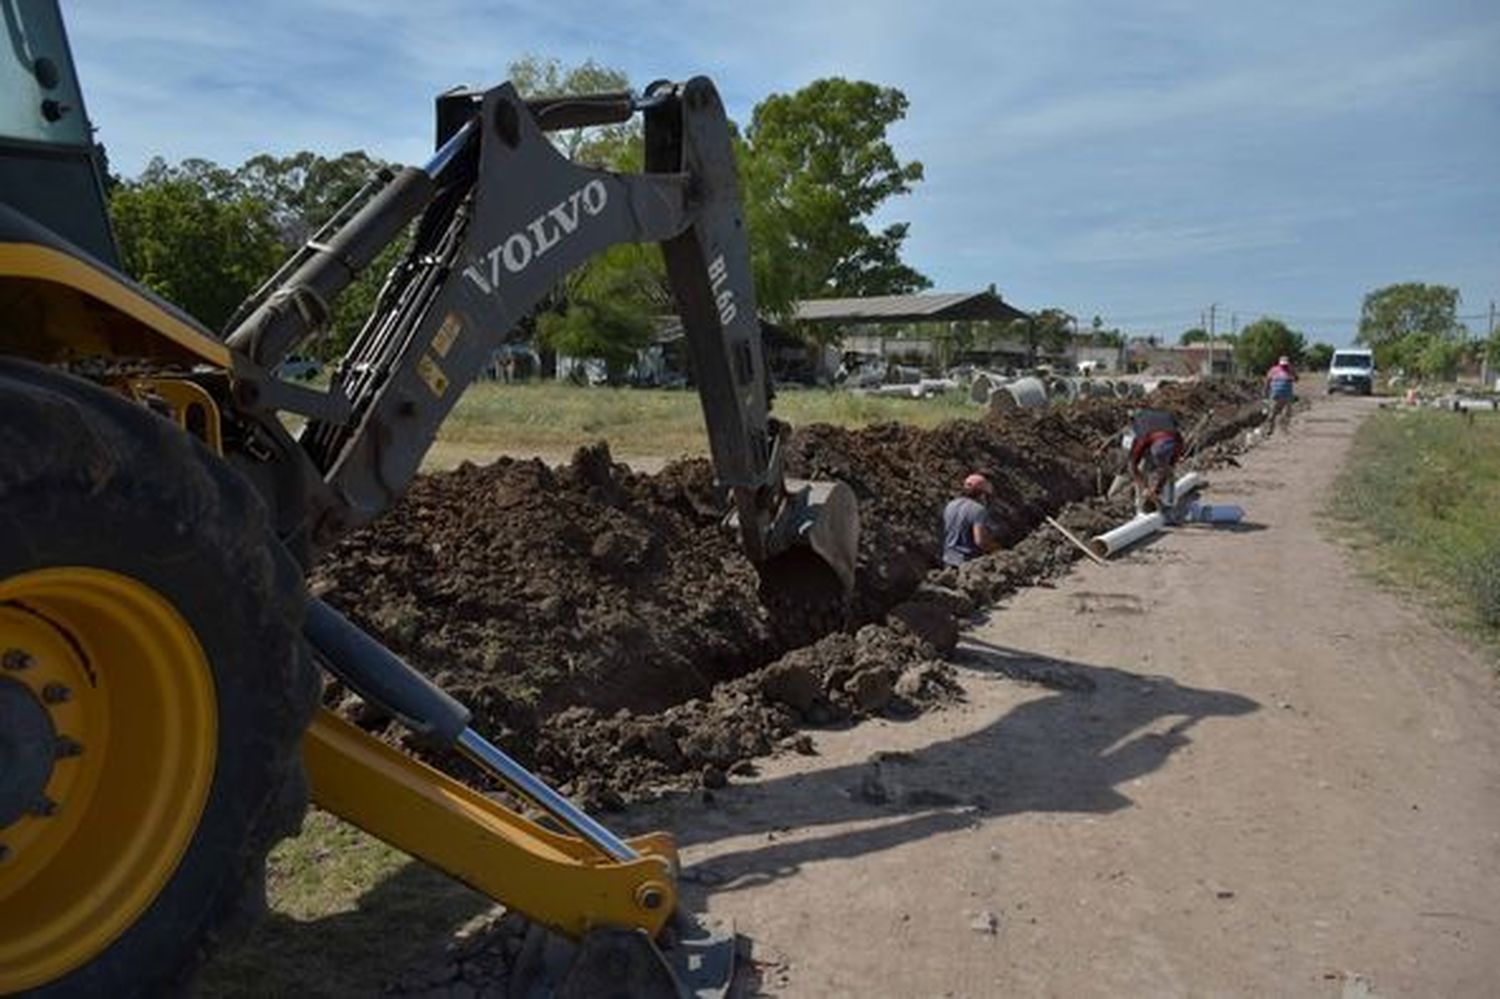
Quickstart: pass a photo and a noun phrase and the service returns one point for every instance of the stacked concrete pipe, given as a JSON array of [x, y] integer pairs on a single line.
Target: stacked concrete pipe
[[1022, 393]]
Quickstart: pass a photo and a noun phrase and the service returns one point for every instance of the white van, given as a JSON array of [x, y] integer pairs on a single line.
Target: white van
[[1352, 370]]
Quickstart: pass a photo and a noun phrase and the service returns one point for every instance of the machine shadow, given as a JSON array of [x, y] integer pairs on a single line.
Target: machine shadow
[[1070, 750], [400, 923], [1093, 730]]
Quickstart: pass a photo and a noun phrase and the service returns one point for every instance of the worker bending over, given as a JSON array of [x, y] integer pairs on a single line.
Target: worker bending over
[[969, 529], [1155, 447]]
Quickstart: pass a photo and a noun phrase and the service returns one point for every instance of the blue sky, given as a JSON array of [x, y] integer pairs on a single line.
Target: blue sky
[[1137, 161]]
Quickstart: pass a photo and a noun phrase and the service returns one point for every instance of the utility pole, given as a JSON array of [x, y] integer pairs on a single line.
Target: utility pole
[[1484, 352], [1212, 310]]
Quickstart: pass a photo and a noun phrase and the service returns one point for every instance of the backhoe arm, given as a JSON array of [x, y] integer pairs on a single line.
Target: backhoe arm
[[503, 218]]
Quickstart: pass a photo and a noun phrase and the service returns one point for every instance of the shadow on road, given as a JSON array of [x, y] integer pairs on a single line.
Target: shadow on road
[[1070, 750]]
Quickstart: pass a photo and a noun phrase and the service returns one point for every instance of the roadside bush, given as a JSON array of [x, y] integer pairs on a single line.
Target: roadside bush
[[1424, 487], [1482, 582]]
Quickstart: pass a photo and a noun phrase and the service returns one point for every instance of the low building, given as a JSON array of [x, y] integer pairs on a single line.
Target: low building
[[1187, 360], [930, 330]]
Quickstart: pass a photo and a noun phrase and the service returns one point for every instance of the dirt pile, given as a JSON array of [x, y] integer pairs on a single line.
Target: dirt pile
[[603, 625]]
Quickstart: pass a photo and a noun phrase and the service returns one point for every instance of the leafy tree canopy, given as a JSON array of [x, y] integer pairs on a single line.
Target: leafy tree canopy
[[815, 164], [609, 310], [206, 236], [196, 237], [1049, 328], [1318, 356], [615, 147], [1414, 328], [1265, 340], [1398, 310]]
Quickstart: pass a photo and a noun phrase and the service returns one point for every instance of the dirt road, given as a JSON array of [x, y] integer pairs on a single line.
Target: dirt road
[[1240, 769]]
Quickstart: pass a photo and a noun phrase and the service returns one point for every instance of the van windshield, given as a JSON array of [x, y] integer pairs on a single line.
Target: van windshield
[[1362, 361]]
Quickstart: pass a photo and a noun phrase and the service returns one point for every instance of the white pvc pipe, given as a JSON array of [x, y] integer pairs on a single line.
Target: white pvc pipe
[[1214, 513], [1188, 482], [1143, 525]]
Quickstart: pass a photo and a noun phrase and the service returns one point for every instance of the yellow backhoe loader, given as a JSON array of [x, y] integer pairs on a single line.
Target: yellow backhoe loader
[[160, 659]]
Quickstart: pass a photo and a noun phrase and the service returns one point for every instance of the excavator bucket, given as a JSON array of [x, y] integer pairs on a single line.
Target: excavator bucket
[[828, 516], [617, 963], [813, 546]]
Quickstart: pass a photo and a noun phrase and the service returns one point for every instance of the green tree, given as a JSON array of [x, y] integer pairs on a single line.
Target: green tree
[[1051, 329], [1101, 337], [1195, 335], [1401, 320], [614, 147], [194, 236], [815, 165], [1318, 356], [1263, 341], [304, 191], [608, 310], [1438, 358]]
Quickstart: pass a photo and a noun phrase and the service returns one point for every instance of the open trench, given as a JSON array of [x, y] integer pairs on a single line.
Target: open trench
[[604, 627]]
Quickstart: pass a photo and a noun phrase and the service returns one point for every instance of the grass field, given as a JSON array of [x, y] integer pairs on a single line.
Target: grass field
[[1422, 489], [551, 420]]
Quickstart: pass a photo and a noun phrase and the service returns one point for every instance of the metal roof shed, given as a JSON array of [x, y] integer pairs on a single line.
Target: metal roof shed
[[981, 306]]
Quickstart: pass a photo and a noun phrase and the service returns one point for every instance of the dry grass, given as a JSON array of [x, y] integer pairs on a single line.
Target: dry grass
[[552, 420]]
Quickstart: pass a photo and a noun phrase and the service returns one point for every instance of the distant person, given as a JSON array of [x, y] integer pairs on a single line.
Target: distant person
[[969, 529], [1155, 448], [1281, 391]]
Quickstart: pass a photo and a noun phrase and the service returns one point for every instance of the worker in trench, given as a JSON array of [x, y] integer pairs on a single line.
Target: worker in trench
[[1155, 444], [969, 528]]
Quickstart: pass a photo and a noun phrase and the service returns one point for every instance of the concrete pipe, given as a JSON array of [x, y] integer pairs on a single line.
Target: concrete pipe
[[1061, 390], [1142, 526], [1023, 393]]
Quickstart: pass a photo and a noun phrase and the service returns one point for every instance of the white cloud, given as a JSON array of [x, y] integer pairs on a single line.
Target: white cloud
[[1106, 157]]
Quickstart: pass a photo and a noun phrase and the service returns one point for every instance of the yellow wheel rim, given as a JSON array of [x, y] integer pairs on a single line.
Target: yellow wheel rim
[[128, 690]]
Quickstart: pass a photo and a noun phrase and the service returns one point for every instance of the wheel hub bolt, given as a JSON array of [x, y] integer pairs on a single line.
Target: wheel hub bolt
[[65, 747], [55, 693], [16, 659]]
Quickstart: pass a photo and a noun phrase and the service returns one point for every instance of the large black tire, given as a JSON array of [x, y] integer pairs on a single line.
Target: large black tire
[[88, 478]]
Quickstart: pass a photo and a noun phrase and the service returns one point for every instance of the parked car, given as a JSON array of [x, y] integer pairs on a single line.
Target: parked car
[[1352, 370]]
